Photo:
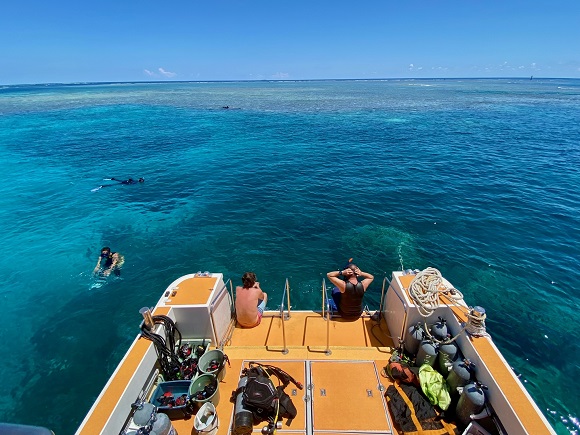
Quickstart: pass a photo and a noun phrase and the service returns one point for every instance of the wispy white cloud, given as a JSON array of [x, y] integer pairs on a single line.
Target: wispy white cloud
[[166, 73], [280, 76], [161, 73], [413, 67]]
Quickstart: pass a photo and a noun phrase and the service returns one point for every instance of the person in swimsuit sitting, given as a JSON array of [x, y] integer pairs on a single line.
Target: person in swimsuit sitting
[[250, 301], [111, 262], [349, 292]]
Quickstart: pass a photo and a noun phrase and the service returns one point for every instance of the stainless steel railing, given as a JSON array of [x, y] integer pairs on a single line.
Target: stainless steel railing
[[284, 317], [326, 304]]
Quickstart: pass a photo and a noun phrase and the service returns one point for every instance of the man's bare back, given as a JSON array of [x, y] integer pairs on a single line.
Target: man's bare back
[[247, 300]]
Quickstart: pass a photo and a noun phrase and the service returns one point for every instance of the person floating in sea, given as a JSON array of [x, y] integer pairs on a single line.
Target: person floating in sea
[[349, 292], [250, 301], [109, 262], [127, 181]]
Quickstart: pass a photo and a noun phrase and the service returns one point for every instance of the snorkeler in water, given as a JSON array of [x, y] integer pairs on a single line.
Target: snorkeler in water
[[127, 181], [109, 262]]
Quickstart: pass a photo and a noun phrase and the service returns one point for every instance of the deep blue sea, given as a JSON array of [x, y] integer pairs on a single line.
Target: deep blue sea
[[478, 178]]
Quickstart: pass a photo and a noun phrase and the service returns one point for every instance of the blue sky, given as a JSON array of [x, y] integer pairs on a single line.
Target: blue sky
[[127, 40]]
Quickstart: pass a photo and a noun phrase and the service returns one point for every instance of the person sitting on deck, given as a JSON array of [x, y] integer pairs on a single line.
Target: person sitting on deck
[[111, 262], [349, 292], [250, 301]]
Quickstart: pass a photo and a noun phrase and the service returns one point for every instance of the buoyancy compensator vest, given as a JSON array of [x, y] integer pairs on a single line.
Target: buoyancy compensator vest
[[256, 394], [260, 396]]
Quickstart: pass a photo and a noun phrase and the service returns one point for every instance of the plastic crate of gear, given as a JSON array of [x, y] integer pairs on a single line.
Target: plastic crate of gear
[[171, 398]]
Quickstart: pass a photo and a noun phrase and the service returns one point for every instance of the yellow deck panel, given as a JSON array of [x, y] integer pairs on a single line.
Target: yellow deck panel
[[349, 340], [308, 328], [118, 383], [345, 397], [192, 291], [296, 369]]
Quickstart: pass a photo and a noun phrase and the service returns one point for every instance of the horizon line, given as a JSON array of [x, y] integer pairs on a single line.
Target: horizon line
[[531, 77]]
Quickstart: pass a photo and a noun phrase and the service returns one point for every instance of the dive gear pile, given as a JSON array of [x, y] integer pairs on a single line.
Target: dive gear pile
[[429, 365], [191, 373], [257, 399]]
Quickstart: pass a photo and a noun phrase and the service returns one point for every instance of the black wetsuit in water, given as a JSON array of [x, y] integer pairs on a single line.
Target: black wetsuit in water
[[109, 262], [350, 305]]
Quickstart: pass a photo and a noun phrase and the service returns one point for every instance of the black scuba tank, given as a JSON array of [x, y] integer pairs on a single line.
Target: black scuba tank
[[472, 401], [447, 356], [460, 374], [427, 353], [415, 335], [439, 329], [243, 418]]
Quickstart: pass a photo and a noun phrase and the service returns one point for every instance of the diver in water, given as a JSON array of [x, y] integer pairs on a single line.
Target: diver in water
[[127, 181], [109, 262]]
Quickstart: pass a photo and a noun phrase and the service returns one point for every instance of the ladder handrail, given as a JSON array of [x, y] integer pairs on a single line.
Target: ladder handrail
[[285, 294], [325, 302]]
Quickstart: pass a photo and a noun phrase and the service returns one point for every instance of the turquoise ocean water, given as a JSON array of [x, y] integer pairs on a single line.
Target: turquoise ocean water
[[479, 178]]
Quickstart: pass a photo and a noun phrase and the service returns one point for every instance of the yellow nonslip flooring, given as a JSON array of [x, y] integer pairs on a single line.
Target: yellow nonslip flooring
[[349, 376]]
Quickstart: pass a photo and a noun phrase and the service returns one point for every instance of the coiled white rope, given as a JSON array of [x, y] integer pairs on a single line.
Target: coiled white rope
[[425, 289]]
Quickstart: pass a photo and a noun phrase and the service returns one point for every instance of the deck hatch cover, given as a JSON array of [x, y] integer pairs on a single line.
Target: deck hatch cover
[[346, 404]]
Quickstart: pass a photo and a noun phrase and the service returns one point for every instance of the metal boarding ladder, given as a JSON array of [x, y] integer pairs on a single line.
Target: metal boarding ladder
[[325, 302], [231, 327], [284, 317]]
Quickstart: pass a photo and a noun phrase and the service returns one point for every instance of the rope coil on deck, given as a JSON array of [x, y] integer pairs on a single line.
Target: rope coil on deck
[[426, 288], [476, 323]]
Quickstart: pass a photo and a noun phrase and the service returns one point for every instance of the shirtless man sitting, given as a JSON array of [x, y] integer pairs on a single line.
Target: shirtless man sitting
[[250, 301]]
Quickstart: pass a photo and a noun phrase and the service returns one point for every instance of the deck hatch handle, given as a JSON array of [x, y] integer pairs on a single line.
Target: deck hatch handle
[[323, 392], [369, 393]]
